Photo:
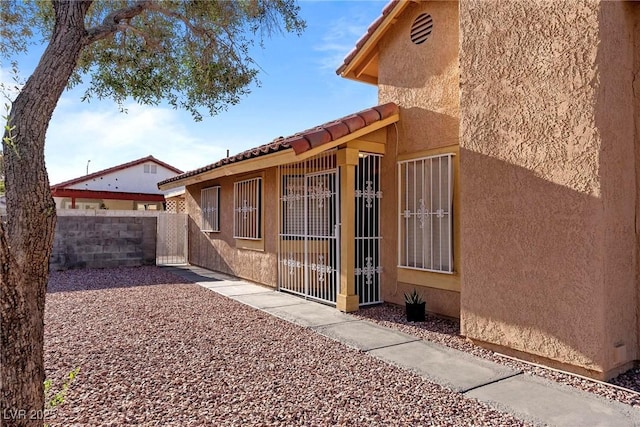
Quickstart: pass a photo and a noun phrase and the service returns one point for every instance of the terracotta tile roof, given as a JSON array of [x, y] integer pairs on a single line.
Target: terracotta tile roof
[[370, 31], [305, 140], [114, 169]]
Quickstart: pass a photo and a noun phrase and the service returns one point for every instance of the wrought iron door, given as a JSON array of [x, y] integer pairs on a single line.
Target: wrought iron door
[[309, 235], [368, 201]]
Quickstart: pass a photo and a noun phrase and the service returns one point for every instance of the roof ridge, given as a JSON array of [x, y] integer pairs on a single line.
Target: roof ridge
[[115, 169]]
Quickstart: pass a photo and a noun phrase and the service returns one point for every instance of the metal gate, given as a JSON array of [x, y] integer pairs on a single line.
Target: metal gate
[[367, 217], [309, 234], [171, 242]]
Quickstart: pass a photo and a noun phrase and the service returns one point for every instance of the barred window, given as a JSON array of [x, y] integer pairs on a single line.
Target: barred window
[[210, 206], [425, 188], [247, 201]]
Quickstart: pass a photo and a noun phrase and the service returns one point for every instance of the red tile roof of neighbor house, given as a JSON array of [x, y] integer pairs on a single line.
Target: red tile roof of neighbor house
[[305, 140], [114, 169], [386, 11]]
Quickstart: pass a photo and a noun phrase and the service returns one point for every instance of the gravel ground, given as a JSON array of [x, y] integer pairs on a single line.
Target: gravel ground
[[445, 332], [155, 351]]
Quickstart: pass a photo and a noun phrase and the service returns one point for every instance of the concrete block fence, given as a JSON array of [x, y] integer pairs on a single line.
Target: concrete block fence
[[104, 241]]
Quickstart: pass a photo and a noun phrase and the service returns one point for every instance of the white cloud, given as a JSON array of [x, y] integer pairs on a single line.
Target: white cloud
[[107, 137], [338, 41], [99, 132], [342, 33]]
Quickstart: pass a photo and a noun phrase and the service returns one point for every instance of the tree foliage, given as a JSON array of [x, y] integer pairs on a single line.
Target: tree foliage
[[193, 54]]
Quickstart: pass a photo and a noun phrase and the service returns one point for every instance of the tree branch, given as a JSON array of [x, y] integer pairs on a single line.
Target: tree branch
[[155, 43], [111, 23], [179, 16], [203, 32]]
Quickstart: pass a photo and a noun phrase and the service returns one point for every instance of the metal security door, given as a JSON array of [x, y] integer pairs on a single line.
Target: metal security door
[[368, 202], [309, 244], [171, 243]]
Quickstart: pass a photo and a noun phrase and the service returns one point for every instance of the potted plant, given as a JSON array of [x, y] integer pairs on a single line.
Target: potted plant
[[414, 305]]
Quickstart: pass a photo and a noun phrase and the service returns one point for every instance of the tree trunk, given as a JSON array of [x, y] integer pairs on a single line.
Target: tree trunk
[[27, 237]]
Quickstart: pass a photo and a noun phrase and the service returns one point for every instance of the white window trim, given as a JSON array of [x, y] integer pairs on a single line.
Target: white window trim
[[243, 208], [210, 195], [403, 194]]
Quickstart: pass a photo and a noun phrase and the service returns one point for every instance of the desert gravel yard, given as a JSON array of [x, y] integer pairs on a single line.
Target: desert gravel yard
[[155, 351]]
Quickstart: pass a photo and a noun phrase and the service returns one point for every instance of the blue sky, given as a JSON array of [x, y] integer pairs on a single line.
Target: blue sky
[[299, 89]]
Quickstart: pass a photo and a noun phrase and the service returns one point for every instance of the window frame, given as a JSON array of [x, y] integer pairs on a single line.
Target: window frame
[[423, 214], [214, 209]]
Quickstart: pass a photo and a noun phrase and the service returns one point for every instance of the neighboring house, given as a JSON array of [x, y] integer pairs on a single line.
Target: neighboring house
[[129, 186], [499, 176]]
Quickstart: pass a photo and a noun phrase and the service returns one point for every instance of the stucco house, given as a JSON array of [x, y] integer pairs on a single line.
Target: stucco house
[[498, 176], [129, 186]]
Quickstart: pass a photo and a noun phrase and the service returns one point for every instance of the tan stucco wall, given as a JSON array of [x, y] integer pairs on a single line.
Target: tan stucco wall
[[118, 204], [220, 251], [547, 170], [423, 80], [635, 8]]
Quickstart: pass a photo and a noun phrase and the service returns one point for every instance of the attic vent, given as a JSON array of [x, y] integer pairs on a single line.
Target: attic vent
[[421, 28]]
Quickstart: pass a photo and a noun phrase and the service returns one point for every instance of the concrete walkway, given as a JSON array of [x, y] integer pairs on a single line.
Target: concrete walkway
[[530, 398]]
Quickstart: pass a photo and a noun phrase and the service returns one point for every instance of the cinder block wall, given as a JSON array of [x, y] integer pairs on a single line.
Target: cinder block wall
[[101, 242]]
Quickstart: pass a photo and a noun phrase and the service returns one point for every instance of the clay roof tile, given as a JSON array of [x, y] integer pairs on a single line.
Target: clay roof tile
[[366, 36], [337, 130], [386, 110], [318, 137], [369, 116], [305, 140], [354, 122], [299, 144]]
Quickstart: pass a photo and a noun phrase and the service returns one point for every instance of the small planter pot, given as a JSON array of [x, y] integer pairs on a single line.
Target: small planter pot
[[415, 312]]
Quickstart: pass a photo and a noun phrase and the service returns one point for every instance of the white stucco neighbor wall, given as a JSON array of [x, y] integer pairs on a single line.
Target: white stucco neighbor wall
[[142, 178]]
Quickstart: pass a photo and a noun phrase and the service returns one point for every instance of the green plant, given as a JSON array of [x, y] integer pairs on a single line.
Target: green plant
[[54, 399], [413, 298]]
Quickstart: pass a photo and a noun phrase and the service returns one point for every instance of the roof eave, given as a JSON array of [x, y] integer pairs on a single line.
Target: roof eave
[[356, 61], [275, 159]]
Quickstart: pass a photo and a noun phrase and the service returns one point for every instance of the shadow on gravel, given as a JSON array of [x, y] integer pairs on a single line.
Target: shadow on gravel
[[110, 278], [391, 313], [189, 275], [629, 380], [396, 314]]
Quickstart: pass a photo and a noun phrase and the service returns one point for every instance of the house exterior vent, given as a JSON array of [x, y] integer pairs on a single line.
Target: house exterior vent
[[421, 28]]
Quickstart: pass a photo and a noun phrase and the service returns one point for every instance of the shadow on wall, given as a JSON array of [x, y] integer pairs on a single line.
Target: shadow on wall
[[423, 129], [549, 185], [534, 264], [205, 251]]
